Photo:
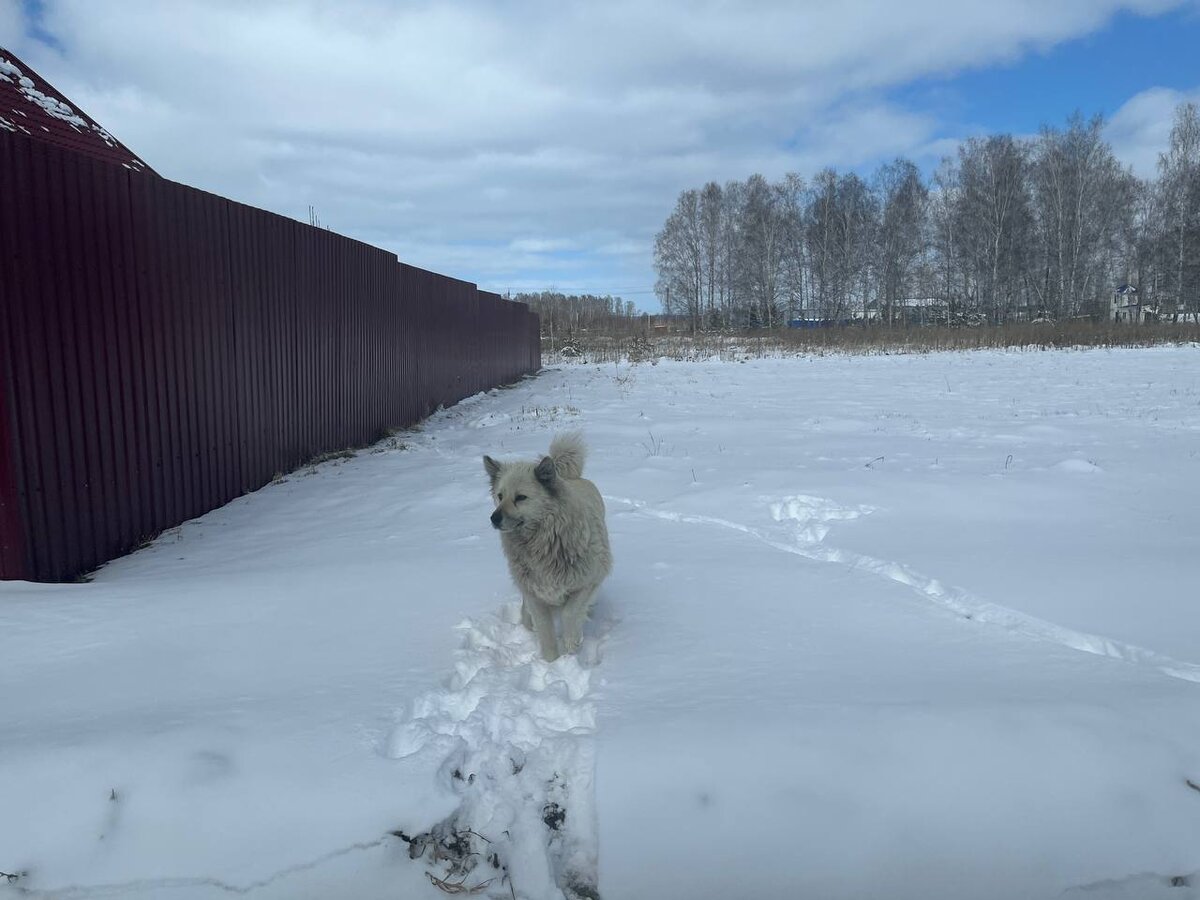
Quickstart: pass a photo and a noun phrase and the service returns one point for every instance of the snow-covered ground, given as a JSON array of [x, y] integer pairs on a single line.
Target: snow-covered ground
[[902, 627]]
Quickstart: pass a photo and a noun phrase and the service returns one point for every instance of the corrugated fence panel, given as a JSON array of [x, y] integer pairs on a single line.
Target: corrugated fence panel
[[14, 556], [164, 350], [56, 416], [15, 561], [410, 344]]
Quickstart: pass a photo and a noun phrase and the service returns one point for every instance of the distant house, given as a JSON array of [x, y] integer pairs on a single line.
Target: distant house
[[30, 105], [1126, 306]]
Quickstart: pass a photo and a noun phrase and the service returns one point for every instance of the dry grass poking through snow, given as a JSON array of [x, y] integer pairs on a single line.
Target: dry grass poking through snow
[[854, 340]]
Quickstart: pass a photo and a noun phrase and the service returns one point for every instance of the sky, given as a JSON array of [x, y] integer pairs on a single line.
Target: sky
[[536, 144]]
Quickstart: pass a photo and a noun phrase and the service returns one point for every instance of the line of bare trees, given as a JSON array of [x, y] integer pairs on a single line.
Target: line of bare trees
[[1008, 229], [564, 316]]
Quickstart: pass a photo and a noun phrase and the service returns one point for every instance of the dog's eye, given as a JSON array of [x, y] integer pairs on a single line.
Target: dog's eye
[[520, 497], [499, 496]]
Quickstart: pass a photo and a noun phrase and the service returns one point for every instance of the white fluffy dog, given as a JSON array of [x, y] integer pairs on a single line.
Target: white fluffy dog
[[551, 524]]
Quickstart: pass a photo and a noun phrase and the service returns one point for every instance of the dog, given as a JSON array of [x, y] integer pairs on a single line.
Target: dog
[[552, 530]]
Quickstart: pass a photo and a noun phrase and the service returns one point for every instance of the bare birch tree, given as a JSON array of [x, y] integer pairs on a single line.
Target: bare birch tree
[[1179, 179]]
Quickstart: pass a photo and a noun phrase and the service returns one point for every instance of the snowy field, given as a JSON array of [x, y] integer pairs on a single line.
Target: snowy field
[[889, 627]]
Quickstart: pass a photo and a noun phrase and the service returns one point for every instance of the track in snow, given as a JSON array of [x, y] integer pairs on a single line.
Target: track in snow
[[515, 731], [807, 522]]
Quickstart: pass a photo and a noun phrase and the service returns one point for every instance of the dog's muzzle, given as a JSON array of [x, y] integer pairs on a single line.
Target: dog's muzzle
[[497, 518]]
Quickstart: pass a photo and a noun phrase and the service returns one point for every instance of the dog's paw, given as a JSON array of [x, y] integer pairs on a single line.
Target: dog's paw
[[588, 653]]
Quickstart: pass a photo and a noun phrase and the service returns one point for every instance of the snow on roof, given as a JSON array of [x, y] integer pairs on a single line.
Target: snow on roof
[[921, 301], [30, 105]]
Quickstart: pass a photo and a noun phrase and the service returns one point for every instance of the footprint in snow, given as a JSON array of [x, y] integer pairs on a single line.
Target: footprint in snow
[[812, 516], [515, 734]]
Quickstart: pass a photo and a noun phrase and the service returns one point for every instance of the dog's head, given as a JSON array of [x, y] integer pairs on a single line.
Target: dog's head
[[521, 492]]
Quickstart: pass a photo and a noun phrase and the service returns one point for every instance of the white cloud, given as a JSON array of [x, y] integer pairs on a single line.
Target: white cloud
[[1141, 129], [479, 138], [542, 245]]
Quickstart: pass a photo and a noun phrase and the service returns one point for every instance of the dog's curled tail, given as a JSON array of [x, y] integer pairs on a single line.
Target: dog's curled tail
[[568, 452]]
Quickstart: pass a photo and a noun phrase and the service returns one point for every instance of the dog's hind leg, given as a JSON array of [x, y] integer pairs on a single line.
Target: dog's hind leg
[[574, 614], [543, 626]]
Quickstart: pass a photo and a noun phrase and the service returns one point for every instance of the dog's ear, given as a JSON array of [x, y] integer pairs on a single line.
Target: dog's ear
[[545, 471], [492, 468]]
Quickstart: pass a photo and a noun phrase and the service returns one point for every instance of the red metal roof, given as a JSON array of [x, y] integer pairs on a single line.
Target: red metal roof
[[30, 105]]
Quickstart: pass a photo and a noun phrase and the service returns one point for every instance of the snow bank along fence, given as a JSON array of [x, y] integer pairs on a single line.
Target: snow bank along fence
[[164, 350]]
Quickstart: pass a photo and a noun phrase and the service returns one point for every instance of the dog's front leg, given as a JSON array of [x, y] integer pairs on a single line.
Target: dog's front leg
[[574, 614], [543, 626], [526, 616]]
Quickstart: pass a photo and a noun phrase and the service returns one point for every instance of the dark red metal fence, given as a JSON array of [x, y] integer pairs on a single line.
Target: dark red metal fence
[[164, 350]]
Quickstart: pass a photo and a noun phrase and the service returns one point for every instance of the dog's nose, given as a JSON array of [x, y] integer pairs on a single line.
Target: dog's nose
[[497, 517]]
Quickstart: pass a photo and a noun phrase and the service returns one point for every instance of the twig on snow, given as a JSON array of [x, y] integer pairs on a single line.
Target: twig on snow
[[457, 887]]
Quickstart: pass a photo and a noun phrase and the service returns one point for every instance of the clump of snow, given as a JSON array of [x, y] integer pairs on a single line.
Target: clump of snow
[[1079, 466], [513, 734], [52, 106]]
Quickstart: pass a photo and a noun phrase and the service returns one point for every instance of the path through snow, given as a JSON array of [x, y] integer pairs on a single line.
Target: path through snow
[[515, 732], [809, 518]]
